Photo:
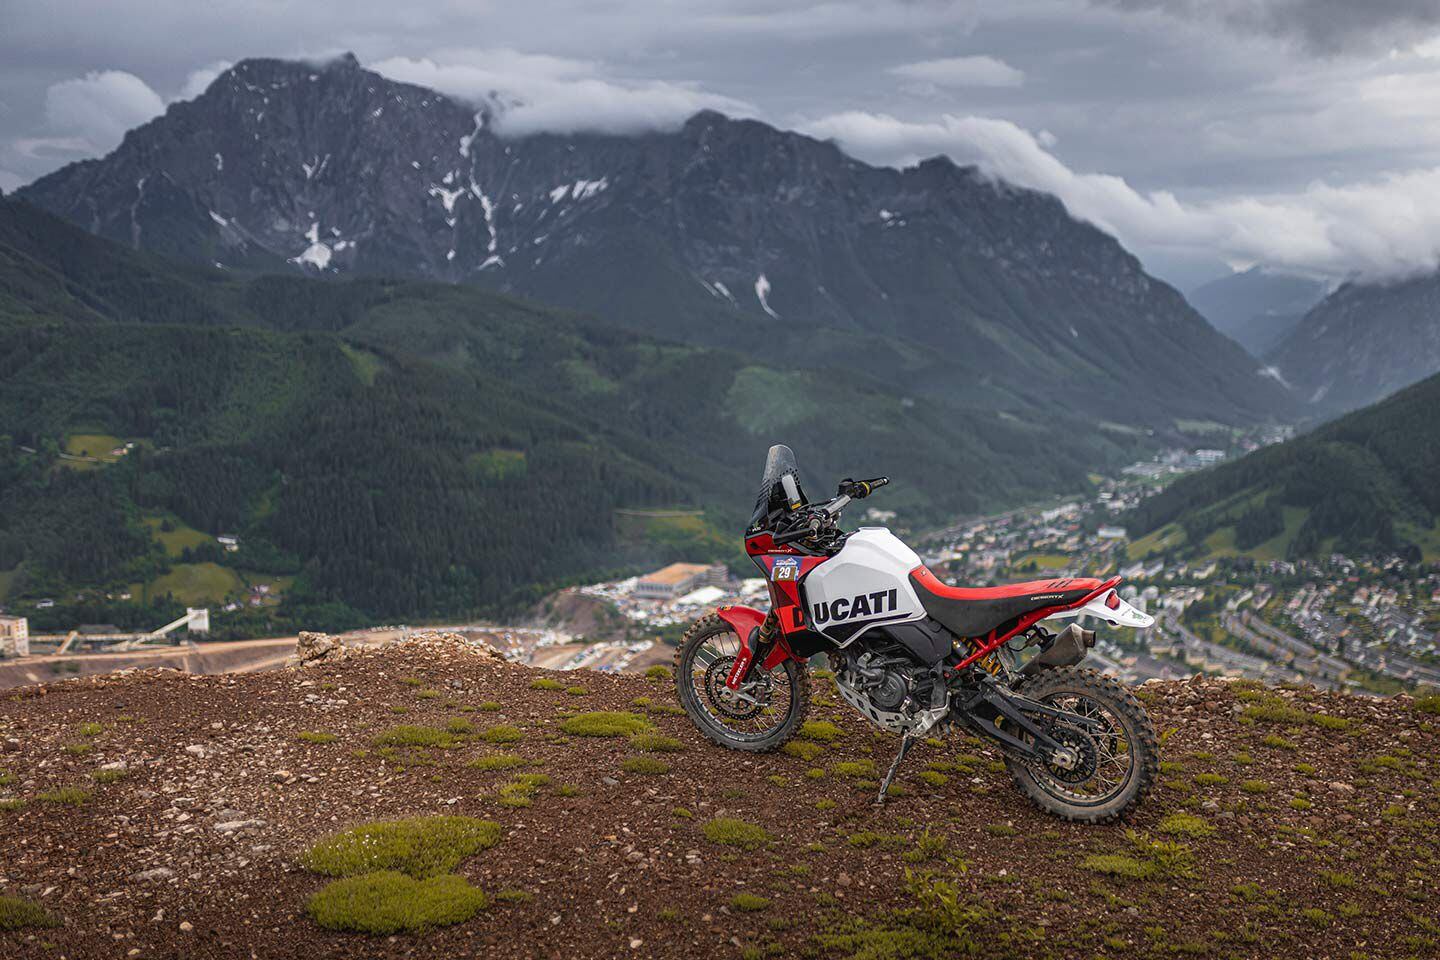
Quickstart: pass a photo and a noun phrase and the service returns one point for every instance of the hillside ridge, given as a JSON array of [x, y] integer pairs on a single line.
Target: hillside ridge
[[171, 815]]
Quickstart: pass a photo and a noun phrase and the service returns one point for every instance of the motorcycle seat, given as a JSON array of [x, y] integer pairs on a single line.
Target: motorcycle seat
[[975, 611]]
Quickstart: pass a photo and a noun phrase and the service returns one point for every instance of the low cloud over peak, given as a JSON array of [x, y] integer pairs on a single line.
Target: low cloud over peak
[[556, 94]]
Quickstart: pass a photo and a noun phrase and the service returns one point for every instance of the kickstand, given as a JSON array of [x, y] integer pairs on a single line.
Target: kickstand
[[906, 743]]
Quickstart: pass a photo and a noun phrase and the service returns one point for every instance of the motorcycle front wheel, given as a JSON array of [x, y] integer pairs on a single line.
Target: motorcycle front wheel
[[759, 717], [1117, 761]]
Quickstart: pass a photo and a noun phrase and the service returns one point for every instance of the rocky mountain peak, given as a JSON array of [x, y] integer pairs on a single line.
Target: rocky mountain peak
[[723, 228]]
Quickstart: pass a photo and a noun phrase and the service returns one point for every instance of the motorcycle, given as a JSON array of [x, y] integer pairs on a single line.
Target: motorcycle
[[915, 656]]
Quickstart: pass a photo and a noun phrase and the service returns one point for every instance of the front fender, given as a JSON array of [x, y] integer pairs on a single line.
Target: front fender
[[745, 621]]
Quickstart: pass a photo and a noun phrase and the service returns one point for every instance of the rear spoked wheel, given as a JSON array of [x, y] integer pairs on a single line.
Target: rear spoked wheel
[[759, 717], [1109, 766]]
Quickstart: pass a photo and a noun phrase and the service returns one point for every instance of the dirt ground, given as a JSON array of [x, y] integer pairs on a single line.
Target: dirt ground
[[1275, 833]]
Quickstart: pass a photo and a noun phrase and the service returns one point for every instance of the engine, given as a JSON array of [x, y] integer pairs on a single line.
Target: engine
[[890, 688]]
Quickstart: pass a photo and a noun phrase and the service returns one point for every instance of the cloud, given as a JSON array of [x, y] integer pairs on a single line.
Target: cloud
[[99, 107], [1377, 228], [978, 71], [199, 80], [558, 94], [1322, 26]]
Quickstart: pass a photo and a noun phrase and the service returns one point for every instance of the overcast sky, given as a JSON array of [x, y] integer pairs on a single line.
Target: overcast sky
[[1302, 134]]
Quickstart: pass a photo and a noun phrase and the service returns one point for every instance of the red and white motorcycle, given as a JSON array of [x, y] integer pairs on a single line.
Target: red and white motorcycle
[[915, 656]]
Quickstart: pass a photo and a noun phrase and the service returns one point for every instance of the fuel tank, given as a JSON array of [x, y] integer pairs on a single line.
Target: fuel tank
[[865, 585]]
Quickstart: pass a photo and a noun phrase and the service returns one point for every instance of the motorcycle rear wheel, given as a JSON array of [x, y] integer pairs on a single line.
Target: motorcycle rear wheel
[[1119, 765], [778, 698]]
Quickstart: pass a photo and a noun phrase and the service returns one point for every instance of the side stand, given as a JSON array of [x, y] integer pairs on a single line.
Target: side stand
[[906, 743]]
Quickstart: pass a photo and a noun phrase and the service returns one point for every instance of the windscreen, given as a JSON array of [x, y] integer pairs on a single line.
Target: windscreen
[[778, 462]]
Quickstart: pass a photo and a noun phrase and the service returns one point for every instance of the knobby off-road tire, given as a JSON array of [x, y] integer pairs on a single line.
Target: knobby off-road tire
[[791, 672], [1135, 727]]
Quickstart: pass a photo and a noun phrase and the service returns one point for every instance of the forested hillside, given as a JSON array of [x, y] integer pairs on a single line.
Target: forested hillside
[[406, 449], [1364, 483]]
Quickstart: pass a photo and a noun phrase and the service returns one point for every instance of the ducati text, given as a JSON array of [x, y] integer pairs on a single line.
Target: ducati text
[[850, 608]]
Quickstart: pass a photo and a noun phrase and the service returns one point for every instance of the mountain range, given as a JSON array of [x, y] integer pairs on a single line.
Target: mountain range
[[1362, 343], [723, 233], [1362, 484], [1257, 308]]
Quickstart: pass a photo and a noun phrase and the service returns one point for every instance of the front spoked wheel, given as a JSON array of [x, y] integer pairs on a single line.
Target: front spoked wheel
[[759, 717], [1109, 766]]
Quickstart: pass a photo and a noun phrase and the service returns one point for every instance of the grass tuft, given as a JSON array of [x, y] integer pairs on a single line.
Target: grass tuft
[[316, 736], [655, 743], [736, 833], [18, 914], [420, 847], [67, 796], [410, 735], [645, 765], [605, 723], [749, 902], [546, 683]]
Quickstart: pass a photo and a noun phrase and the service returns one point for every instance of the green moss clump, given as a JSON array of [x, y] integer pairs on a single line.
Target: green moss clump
[[91, 729], [316, 736], [546, 683], [658, 672], [736, 833], [490, 706], [575, 691], [68, 796], [748, 902], [1255, 786], [1211, 779], [387, 902], [822, 730], [803, 750], [109, 776], [646, 765], [409, 735], [18, 914], [605, 723], [855, 768], [655, 743], [502, 734], [420, 847]]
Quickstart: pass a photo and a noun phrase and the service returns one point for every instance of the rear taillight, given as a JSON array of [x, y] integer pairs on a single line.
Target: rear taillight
[[1113, 600]]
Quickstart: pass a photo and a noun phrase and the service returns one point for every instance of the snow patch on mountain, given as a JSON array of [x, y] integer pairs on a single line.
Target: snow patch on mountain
[[762, 293]]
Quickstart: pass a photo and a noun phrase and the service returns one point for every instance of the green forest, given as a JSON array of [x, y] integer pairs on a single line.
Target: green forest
[[1365, 483], [398, 450]]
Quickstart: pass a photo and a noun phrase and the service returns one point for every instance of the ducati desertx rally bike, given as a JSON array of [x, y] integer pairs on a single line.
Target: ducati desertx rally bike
[[915, 656]]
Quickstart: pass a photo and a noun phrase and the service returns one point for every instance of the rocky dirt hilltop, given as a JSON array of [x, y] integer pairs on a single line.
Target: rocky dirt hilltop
[[162, 815]]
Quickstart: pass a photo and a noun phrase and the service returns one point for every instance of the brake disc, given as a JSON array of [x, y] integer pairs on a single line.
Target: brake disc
[[724, 700]]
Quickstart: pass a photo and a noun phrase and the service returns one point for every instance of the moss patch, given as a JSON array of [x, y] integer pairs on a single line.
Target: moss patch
[[421, 847], [605, 723], [736, 833], [388, 902]]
